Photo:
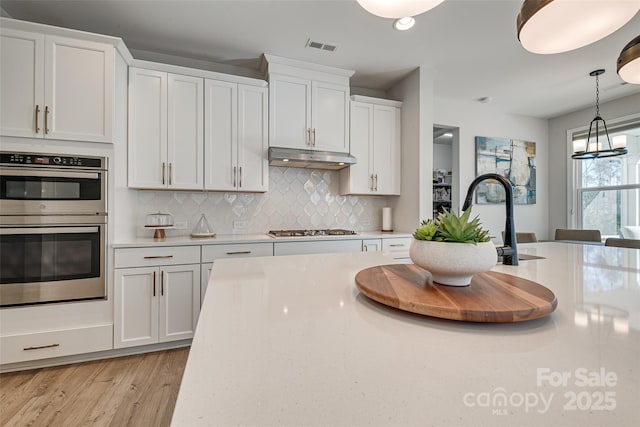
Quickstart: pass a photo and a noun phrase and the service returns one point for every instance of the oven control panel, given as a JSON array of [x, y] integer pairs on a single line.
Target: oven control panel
[[33, 159]]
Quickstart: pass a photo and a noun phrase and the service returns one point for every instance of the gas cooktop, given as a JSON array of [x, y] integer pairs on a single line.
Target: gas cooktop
[[303, 233]]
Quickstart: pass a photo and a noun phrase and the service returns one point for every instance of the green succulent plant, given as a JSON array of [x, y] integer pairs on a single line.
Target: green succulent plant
[[450, 227]]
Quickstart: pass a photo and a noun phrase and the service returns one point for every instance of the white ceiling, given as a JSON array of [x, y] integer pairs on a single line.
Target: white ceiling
[[471, 45]]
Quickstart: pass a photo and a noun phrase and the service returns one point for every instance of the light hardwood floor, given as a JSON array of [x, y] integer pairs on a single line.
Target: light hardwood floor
[[138, 390]]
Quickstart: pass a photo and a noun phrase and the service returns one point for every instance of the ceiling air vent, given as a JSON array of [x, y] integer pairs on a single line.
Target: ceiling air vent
[[322, 46]]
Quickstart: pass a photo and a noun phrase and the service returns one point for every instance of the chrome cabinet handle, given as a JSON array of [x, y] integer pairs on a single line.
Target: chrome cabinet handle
[[154, 283], [239, 253], [158, 256], [46, 119], [162, 173], [170, 173], [240, 180], [37, 115], [41, 346], [234, 176]]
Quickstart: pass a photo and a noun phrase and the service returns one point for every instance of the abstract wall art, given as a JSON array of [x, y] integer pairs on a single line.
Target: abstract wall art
[[512, 158]]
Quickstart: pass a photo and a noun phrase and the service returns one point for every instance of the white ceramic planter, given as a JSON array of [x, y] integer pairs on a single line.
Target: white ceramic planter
[[451, 263]]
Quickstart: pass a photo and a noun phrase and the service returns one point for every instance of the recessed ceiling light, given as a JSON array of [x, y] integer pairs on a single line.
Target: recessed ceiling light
[[404, 24]]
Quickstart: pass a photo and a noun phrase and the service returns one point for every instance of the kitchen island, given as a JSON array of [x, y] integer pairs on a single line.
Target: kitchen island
[[291, 341]]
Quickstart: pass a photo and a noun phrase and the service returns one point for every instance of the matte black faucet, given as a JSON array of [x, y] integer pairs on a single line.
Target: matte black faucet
[[509, 252]]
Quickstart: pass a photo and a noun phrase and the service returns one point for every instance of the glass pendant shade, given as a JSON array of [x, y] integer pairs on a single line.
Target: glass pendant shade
[[554, 26], [629, 62], [398, 8]]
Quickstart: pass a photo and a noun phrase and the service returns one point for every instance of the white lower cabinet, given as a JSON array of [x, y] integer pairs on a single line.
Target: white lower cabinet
[[396, 247], [371, 245], [317, 247], [57, 343], [233, 250], [157, 303]]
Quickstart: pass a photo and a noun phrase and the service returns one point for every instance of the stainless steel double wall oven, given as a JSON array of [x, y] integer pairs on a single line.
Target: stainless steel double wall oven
[[53, 228]]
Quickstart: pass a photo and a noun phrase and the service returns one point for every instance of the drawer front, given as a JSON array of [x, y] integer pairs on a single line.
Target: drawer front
[[44, 345], [236, 250], [396, 247], [318, 247], [151, 257]]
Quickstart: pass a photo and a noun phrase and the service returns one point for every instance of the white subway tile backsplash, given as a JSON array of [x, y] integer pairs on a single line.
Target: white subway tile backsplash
[[297, 199]]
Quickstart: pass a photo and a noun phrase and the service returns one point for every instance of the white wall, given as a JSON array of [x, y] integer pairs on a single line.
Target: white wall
[[442, 156], [476, 119], [415, 202], [559, 153]]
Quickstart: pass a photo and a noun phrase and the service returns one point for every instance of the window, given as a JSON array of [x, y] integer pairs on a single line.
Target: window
[[607, 190]]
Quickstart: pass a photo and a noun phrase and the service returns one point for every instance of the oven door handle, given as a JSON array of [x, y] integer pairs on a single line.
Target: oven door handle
[[49, 173], [48, 230]]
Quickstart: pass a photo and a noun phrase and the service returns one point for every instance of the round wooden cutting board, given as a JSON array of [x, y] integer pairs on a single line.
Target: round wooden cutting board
[[491, 296]]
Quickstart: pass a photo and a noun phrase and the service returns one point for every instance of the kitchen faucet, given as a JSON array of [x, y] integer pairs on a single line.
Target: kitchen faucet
[[509, 252]]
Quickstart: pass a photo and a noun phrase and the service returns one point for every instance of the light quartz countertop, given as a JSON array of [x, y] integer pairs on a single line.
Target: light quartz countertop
[[187, 240], [290, 341]]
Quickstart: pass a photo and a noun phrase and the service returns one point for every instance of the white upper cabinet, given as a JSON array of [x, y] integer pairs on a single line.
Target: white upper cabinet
[[289, 112], [375, 142], [253, 138], [185, 137], [55, 87], [166, 132], [330, 117], [236, 125], [308, 105]]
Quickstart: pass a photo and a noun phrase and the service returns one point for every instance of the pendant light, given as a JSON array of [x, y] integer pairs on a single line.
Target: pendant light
[[593, 149], [398, 8], [629, 62], [554, 26]]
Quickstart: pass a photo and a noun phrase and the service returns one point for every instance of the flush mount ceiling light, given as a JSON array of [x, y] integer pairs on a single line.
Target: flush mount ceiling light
[[404, 24], [593, 149], [398, 8], [629, 62], [554, 26]]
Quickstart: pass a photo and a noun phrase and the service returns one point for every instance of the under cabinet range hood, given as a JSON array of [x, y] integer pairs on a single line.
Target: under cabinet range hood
[[297, 158]]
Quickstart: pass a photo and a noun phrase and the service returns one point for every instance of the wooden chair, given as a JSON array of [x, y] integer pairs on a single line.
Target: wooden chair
[[578, 235], [524, 237], [622, 243]]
